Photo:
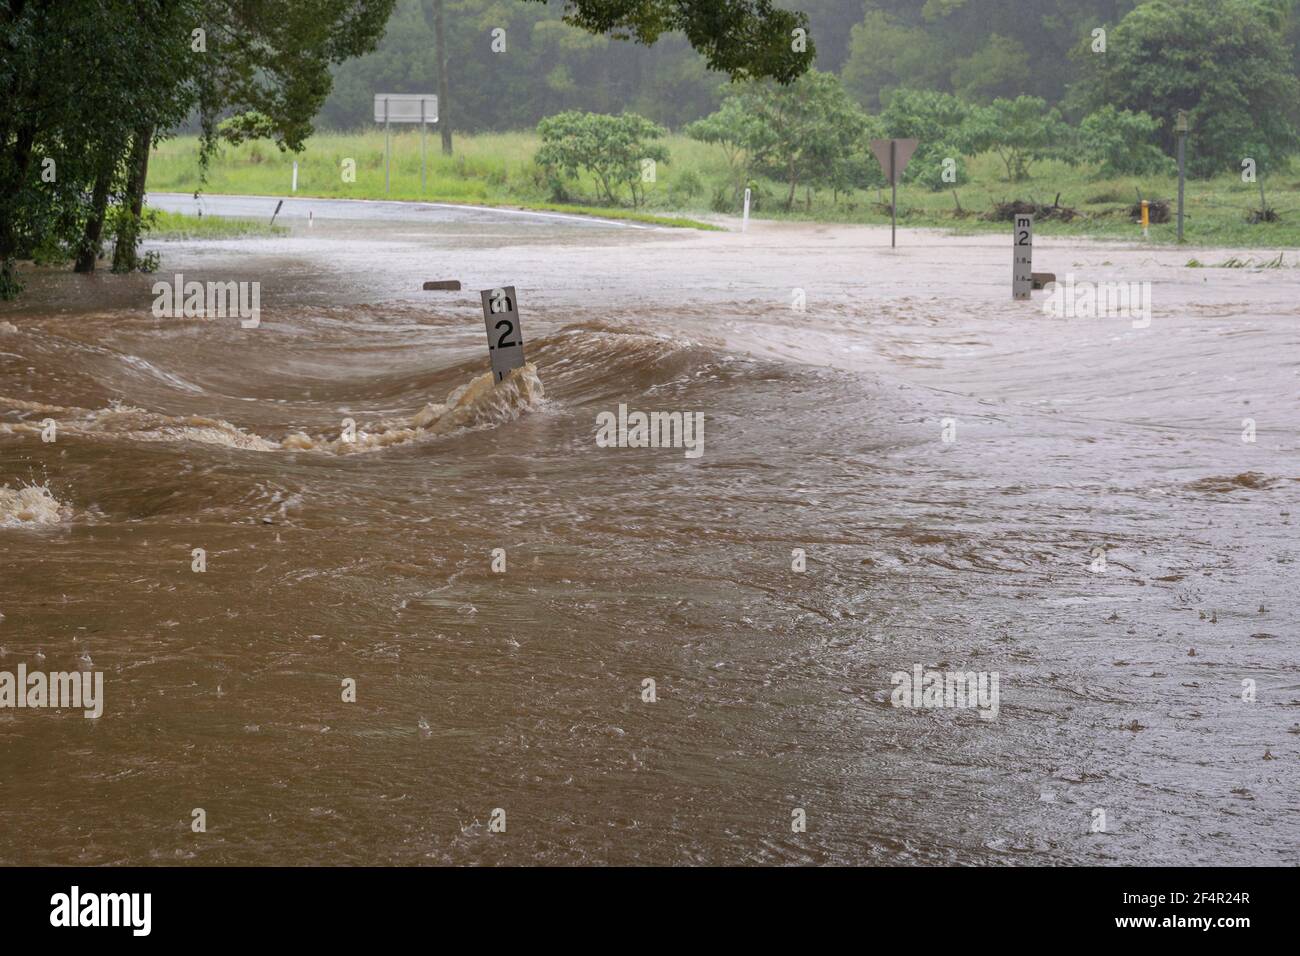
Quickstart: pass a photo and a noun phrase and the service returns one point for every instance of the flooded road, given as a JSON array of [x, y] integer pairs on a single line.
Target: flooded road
[[900, 468]]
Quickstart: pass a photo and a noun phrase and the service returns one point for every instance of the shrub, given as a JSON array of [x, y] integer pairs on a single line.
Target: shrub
[[1121, 143], [610, 148]]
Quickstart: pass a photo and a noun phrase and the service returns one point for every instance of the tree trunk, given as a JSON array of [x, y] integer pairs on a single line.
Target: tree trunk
[[19, 164], [128, 233], [88, 251], [440, 54]]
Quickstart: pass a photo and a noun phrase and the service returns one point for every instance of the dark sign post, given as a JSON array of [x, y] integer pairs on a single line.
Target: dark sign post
[[1180, 128], [893, 156], [505, 338]]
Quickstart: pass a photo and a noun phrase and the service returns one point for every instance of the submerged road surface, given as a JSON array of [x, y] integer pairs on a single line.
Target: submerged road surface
[[365, 210]]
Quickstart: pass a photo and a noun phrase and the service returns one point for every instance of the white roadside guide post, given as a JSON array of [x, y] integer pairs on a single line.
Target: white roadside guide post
[[505, 337], [294, 187], [744, 223], [893, 156], [1022, 258], [390, 108]]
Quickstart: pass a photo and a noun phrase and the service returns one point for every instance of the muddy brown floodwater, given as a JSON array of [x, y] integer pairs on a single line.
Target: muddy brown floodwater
[[1095, 531]]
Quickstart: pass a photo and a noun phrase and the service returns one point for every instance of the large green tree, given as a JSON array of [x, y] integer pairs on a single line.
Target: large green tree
[[553, 62], [90, 85], [746, 39], [1224, 61]]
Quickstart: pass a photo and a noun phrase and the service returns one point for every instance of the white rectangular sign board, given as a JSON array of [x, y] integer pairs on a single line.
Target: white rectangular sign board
[[1022, 258], [406, 108]]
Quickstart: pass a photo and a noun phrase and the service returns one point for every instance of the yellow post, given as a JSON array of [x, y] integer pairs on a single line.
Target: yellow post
[[1146, 219]]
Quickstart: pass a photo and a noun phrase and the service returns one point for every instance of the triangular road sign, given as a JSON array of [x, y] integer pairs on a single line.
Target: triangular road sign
[[903, 150]]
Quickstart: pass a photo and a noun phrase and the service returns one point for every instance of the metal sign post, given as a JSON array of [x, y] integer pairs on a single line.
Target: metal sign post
[[1022, 258], [893, 156], [419, 108], [505, 337], [1181, 126]]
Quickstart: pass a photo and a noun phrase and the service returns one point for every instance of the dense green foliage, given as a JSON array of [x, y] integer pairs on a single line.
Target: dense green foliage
[[617, 151], [1121, 142], [940, 122], [1226, 62], [1232, 63], [1019, 131], [809, 132], [746, 39], [90, 86], [547, 67]]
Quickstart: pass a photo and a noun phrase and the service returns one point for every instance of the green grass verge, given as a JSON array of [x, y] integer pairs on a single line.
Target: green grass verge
[[175, 225], [486, 170], [497, 169]]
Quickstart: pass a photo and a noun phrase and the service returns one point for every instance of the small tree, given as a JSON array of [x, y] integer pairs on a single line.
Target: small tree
[[858, 169], [800, 133], [940, 122], [1019, 131], [1121, 143], [733, 128], [610, 148]]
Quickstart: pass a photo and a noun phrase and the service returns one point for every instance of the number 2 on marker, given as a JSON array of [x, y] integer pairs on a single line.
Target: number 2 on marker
[[501, 339]]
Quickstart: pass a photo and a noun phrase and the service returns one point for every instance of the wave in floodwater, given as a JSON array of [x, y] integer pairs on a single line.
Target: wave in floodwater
[[479, 402]]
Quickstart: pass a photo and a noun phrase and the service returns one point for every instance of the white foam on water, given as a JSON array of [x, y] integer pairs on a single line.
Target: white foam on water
[[478, 402], [29, 505]]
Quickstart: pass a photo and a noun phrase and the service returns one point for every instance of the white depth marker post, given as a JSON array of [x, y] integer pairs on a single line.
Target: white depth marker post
[[744, 223], [1022, 258], [505, 336]]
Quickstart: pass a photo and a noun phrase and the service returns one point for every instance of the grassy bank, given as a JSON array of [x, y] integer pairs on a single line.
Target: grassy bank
[[490, 169], [497, 169], [175, 225]]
